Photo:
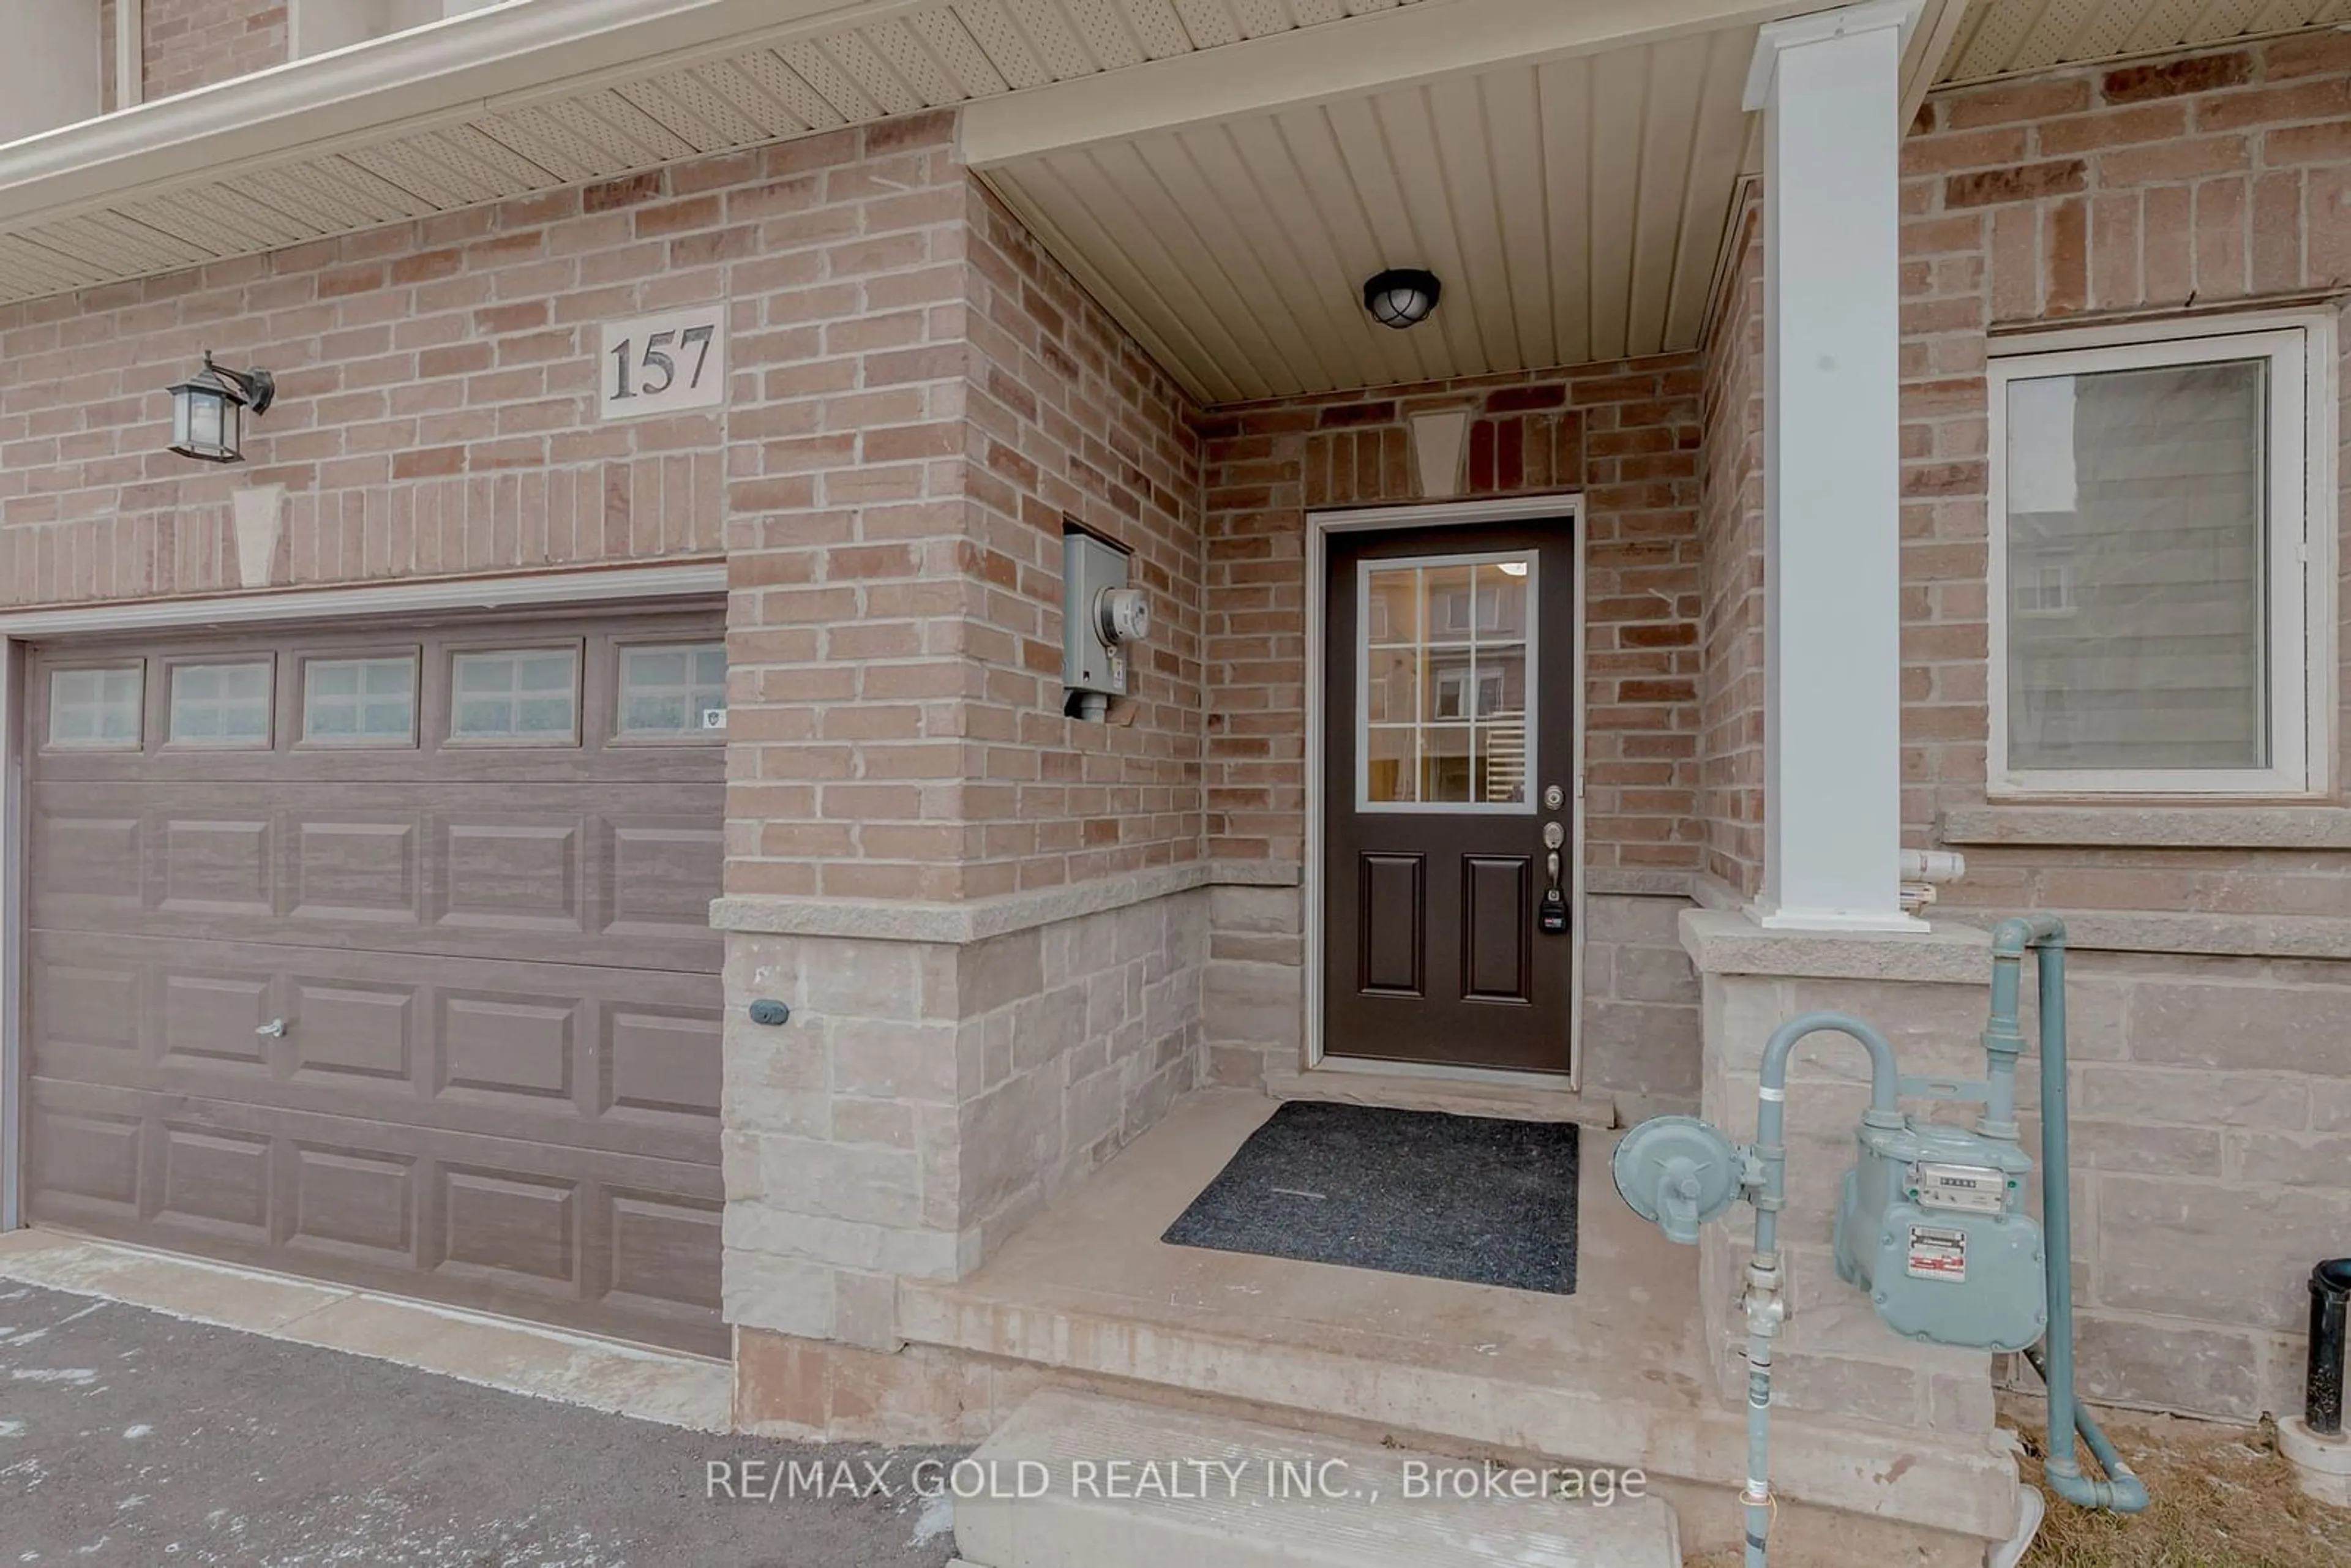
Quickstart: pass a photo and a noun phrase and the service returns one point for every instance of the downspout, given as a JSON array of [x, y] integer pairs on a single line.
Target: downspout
[[2122, 1492], [129, 54], [1766, 1310]]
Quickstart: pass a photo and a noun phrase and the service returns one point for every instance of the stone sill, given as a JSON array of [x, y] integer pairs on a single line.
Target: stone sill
[[2127, 826], [1957, 949], [956, 923], [1724, 942]]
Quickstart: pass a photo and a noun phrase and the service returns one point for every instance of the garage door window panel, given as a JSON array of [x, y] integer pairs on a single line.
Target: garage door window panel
[[360, 701], [515, 696], [671, 692], [221, 706], [97, 708]]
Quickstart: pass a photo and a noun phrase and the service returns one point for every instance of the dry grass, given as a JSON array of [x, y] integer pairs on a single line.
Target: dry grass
[[2221, 1498]]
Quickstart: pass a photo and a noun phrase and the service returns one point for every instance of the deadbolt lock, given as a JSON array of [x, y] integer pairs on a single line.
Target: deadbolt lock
[[1553, 796]]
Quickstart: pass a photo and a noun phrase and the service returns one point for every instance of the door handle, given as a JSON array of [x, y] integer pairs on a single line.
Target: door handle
[[274, 1029], [1552, 914]]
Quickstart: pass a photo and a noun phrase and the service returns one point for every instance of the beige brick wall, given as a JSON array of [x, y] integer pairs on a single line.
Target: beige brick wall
[[928, 1098], [2205, 181]]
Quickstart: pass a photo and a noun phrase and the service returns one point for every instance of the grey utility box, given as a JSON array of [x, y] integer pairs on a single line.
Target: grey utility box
[[1102, 619]]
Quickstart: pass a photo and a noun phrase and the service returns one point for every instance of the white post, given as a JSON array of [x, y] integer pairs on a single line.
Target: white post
[[1830, 87]]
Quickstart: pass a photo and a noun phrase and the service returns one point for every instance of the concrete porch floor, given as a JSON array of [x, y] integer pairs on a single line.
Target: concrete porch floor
[[1613, 1375]]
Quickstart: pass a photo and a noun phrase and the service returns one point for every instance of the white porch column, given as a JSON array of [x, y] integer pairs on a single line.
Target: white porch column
[[1830, 87]]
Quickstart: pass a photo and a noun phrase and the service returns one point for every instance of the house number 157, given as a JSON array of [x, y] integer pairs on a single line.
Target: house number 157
[[659, 365], [657, 359]]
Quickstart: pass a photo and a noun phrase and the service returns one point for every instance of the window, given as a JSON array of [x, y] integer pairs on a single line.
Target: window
[[359, 702], [220, 705], [2161, 520], [1447, 683], [525, 695], [96, 709], [671, 690]]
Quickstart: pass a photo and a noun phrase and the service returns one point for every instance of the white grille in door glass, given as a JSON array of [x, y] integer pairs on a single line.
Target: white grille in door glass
[[531, 694], [1447, 655], [360, 701], [220, 705], [673, 689], [96, 708]]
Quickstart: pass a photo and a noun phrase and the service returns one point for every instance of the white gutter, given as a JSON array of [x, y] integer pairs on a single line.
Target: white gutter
[[441, 73]]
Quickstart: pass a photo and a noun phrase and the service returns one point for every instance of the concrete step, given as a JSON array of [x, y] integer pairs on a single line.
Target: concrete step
[[1141, 1486]]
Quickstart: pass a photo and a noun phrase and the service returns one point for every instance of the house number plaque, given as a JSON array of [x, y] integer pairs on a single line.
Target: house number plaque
[[662, 365]]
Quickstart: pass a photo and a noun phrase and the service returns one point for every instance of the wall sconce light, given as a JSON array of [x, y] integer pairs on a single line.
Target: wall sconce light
[[1402, 297], [208, 411]]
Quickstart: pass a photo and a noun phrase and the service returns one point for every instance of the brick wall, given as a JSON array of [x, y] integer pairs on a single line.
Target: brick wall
[[1730, 770], [434, 413], [196, 43], [1627, 435], [1069, 419], [2207, 180]]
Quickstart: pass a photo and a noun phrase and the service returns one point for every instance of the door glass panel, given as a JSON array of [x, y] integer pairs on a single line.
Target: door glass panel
[[219, 705], [673, 690], [531, 694], [96, 708], [1447, 671], [359, 702]]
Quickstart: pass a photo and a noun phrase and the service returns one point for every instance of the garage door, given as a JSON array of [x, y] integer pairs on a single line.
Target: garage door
[[383, 956]]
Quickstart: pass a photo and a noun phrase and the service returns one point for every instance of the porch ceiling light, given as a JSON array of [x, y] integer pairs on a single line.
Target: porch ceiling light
[[208, 411], [1402, 297]]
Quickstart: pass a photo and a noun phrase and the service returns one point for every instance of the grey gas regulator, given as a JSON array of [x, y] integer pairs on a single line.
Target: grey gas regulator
[[1931, 1222]]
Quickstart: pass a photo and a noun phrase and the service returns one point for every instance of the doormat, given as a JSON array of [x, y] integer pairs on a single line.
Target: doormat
[[1475, 1198]]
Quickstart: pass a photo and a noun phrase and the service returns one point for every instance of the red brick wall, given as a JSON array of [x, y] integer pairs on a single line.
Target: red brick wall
[[1731, 631], [197, 43], [1627, 435], [1068, 418], [2205, 181]]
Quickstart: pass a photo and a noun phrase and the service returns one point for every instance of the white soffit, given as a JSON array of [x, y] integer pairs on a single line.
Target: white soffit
[[2006, 37], [1572, 209], [537, 94]]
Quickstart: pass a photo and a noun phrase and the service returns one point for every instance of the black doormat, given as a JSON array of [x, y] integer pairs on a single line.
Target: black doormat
[[1474, 1198]]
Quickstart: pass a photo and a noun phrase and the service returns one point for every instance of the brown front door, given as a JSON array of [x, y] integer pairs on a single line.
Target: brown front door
[[1449, 768]]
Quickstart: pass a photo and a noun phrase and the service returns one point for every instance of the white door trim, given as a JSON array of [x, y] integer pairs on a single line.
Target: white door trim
[[521, 590], [1320, 526]]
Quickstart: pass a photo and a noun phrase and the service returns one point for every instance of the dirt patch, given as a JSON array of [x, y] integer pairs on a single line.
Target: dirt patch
[[2221, 1498]]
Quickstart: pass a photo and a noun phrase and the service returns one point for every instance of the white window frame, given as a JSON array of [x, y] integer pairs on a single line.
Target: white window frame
[[2300, 347]]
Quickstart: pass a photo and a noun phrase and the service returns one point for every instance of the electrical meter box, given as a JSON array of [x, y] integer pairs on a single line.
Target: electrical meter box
[[1932, 1224], [1103, 617]]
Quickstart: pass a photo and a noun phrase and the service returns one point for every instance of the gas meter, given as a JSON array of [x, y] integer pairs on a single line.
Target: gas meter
[[1931, 1220], [1932, 1224]]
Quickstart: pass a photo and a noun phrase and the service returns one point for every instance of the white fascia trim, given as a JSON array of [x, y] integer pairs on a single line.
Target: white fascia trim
[[1819, 26], [520, 591], [454, 69], [1312, 64]]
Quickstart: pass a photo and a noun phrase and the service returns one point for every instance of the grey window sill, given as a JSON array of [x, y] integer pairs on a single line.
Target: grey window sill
[[2130, 826]]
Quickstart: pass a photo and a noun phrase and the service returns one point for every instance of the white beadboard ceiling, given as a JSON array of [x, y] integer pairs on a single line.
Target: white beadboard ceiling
[[2004, 37], [1573, 210], [894, 58]]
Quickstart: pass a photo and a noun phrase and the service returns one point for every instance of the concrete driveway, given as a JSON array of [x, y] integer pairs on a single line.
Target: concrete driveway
[[131, 1438]]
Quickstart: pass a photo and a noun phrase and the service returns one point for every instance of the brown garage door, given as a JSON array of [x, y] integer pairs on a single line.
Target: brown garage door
[[384, 955]]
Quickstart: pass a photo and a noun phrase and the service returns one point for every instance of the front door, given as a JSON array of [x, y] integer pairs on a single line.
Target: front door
[[1450, 782]]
